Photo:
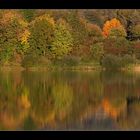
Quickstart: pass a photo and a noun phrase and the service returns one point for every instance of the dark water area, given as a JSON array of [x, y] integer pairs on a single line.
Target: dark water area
[[69, 100]]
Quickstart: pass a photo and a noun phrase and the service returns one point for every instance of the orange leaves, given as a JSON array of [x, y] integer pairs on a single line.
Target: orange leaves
[[109, 109], [9, 15], [114, 23], [24, 100]]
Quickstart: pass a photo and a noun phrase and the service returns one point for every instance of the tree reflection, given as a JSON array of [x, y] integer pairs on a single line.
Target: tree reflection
[[66, 100], [13, 108]]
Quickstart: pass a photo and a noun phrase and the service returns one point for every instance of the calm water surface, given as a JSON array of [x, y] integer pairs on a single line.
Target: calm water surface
[[69, 101]]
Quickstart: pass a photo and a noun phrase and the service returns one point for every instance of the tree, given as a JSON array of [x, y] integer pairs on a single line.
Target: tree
[[136, 31], [28, 14], [12, 27], [77, 28], [97, 51], [129, 18], [117, 32], [63, 41], [116, 46], [94, 17], [113, 26], [94, 30], [94, 33], [42, 33]]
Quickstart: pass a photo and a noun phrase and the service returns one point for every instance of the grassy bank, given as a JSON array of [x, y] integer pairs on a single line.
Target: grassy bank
[[84, 66], [80, 67]]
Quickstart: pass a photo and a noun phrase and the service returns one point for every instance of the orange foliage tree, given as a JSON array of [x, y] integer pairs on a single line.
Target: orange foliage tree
[[113, 24]]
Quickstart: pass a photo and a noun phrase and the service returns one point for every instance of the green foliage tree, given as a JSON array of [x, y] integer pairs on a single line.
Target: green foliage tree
[[63, 41], [118, 32], [95, 17], [97, 51], [28, 14], [129, 18], [42, 32], [78, 28]]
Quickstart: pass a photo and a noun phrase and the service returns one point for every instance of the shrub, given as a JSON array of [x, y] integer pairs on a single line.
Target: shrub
[[34, 60], [127, 60], [115, 62], [67, 61], [111, 62]]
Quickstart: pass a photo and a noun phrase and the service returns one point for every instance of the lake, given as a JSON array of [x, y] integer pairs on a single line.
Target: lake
[[69, 100]]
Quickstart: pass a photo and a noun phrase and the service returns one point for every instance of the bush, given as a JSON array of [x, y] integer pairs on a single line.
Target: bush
[[116, 62], [127, 60], [111, 62], [67, 61], [34, 60]]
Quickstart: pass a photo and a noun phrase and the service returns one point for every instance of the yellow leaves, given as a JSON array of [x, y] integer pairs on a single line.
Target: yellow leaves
[[9, 15], [111, 110], [44, 17], [11, 121], [41, 120], [114, 23], [25, 36], [24, 100], [23, 23]]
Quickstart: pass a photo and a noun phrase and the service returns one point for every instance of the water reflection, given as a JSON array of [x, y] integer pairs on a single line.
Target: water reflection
[[69, 100]]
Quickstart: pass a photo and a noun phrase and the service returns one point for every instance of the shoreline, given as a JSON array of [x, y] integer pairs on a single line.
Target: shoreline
[[35, 68], [135, 68]]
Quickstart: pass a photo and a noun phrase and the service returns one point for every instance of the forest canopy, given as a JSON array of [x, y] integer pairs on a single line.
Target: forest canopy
[[34, 37]]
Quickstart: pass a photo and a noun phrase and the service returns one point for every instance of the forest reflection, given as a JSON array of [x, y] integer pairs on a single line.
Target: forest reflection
[[69, 100]]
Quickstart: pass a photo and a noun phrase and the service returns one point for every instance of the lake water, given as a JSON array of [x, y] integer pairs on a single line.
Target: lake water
[[69, 100]]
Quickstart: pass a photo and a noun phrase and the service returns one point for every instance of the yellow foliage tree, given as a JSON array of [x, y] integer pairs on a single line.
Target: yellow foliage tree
[[112, 24]]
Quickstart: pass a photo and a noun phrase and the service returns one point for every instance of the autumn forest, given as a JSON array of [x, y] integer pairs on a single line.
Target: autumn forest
[[69, 38], [69, 69]]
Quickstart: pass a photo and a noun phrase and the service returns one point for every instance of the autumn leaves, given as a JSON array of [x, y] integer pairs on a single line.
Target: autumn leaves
[[112, 26]]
